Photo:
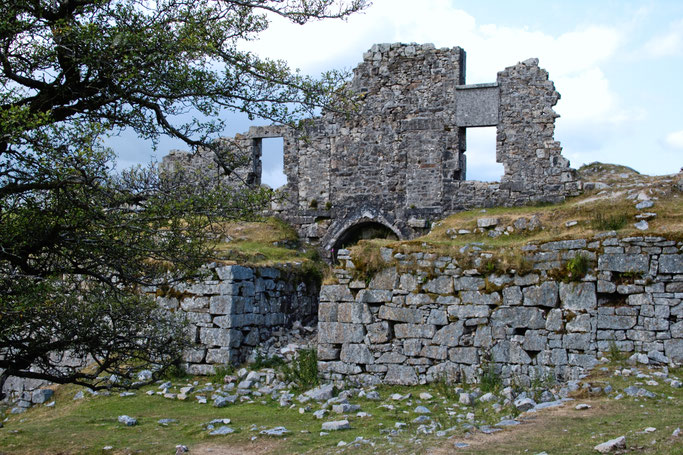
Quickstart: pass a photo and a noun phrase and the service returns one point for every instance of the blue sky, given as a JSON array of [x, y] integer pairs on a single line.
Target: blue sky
[[617, 64]]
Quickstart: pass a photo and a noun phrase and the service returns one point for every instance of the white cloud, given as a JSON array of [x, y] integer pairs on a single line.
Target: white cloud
[[666, 44], [592, 113], [674, 140]]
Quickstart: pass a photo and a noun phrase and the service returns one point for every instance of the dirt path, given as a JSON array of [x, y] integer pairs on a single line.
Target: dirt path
[[259, 447], [546, 422]]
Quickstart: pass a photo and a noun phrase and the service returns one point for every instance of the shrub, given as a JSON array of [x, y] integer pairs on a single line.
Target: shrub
[[577, 267], [221, 372], [601, 222], [303, 370], [490, 380]]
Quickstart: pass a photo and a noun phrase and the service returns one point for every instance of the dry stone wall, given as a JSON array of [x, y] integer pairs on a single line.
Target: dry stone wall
[[425, 317], [400, 159], [238, 309]]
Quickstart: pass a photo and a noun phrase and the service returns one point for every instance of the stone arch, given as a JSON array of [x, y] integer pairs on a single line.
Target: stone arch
[[358, 219]]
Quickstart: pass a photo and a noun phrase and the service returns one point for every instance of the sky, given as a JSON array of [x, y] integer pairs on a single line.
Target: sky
[[617, 64]]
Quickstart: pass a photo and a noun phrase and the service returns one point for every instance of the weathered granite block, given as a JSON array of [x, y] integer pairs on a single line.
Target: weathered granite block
[[338, 332], [624, 262], [439, 285], [544, 294], [449, 335], [354, 312], [234, 273], [356, 353], [335, 293], [414, 330], [378, 332], [387, 279], [410, 315], [401, 375], [671, 263], [468, 356], [518, 317], [578, 296], [616, 322], [468, 311], [374, 296]]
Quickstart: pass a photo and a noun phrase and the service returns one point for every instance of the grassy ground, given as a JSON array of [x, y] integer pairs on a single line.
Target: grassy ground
[[87, 426], [268, 242]]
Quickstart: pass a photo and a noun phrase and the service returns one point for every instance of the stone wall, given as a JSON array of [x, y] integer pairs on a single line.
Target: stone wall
[[399, 160], [425, 316], [237, 309]]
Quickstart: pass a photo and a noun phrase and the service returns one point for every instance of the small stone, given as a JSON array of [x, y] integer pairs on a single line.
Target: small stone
[[319, 414], [425, 396], [642, 225], [524, 404], [336, 425], [127, 420], [421, 419], [422, 410], [582, 406], [180, 449], [644, 205], [649, 430], [487, 222], [222, 431], [277, 431], [507, 423], [145, 375], [611, 445], [166, 422]]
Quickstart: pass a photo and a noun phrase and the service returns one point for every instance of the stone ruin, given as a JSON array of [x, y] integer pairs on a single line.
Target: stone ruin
[[399, 162]]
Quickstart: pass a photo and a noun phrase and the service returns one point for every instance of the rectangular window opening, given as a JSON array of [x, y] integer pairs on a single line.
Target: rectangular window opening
[[272, 162], [481, 155]]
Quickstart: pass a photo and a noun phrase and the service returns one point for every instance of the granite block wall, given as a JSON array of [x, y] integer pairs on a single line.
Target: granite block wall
[[424, 317], [231, 314]]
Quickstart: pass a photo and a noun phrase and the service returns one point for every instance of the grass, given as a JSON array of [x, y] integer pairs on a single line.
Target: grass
[[261, 243], [86, 426], [592, 212]]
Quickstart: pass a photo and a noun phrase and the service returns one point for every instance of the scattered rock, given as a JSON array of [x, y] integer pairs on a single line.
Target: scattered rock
[[611, 445], [127, 420], [166, 422], [422, 410], [487, 222], [277, 431], [642, 225], [582, 406], [524, 404], [222, 431], [336, 425]]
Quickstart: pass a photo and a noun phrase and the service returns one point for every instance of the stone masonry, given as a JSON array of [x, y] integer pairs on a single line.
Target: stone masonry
[[399, 160], [237, 309], [424, 317]]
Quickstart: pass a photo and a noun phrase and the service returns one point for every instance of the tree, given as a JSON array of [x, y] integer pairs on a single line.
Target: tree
[[77, 239]]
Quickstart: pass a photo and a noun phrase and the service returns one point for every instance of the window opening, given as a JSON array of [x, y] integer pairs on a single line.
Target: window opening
[[481, 155], [272, 162]]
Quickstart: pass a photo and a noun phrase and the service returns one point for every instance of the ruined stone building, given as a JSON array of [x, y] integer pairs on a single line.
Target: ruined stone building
[[399, 162]]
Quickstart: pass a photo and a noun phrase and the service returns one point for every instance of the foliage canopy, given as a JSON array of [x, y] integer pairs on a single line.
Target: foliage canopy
[[77, 239]]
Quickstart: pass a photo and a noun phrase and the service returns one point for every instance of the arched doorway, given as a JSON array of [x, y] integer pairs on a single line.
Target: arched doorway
[[363, 231]]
